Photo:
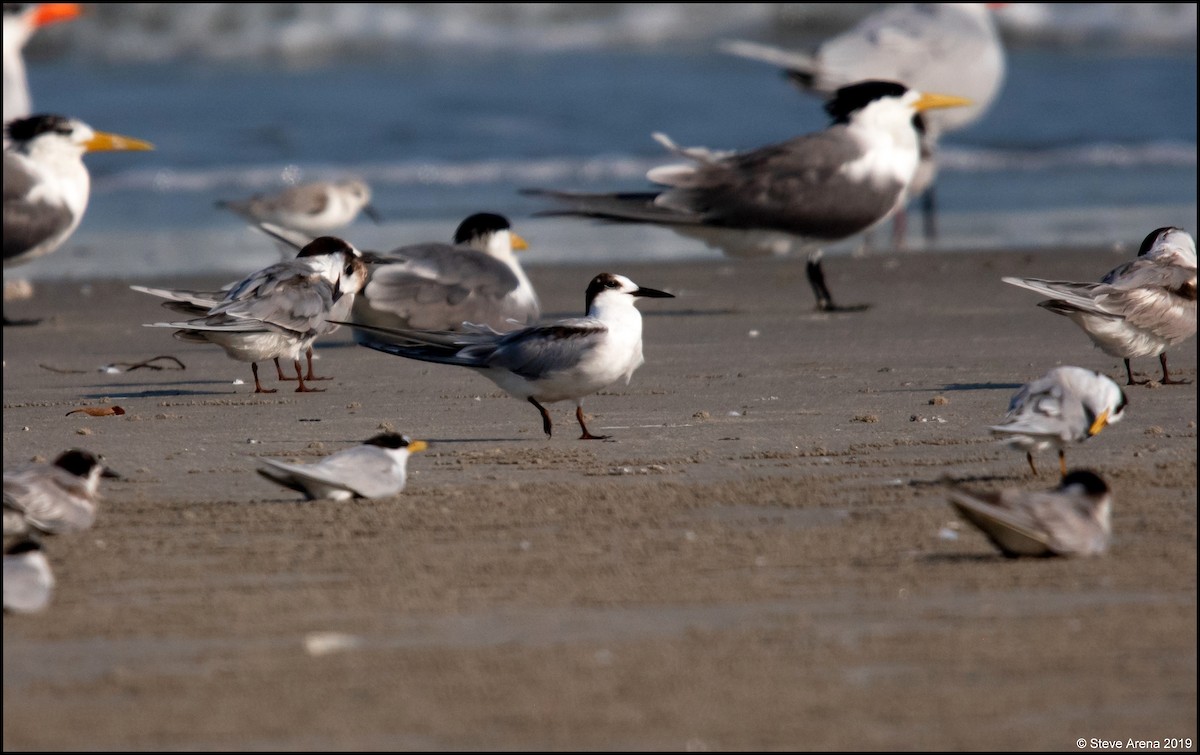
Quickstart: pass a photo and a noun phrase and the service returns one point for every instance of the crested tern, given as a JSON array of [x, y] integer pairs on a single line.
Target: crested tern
[[934, 47], [792, 196], [434, 286]]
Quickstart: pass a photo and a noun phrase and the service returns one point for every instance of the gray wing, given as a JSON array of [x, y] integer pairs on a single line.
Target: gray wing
[[546, 349], [285, 297], [1043, 407], [50, 499], [1011, 529], [439, 287], [27, 222], [1154, 297], [796, 186], [1064, 521], [364, 471]]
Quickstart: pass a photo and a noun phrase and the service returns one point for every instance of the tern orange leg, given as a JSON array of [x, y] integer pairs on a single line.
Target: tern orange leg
[[586, 435], [257, 385]]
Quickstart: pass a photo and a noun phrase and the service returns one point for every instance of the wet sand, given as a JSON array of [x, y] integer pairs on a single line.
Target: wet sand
[[761, 558]]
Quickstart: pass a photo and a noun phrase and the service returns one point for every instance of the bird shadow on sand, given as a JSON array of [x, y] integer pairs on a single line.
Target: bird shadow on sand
[[160, 390], [982, 386], [940, 482]]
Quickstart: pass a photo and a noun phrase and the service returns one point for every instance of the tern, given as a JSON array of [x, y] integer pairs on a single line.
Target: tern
[[934, 47], [1066, 405], [46, 185], [54, 498], [1140, 308], [1073, 519], [28, 581], [21, 22], [376, 469], [793, 196], [435, 286], [277, 312], [559, 361], [316, 209]]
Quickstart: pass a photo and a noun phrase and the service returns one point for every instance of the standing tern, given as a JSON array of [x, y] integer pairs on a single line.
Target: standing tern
[[28, 581], [560, 361], [21, 21], [1073, 519], [1066, 405], [434, 286], [1140, 308], [54, 498], [278, 312], [316, 209], [793, 196], [376, 469], [934, 47], [46, 185]]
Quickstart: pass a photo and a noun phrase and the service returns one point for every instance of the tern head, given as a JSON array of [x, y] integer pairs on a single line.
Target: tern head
[[1170, 241], [1103, 401], [490, 233], [347, 265], [609, 287], [1087, 481], [875, 95], [84, 464], [396, 441], [58, 131]]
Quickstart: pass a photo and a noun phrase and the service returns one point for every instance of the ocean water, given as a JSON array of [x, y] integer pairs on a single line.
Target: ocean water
[[451, 109]]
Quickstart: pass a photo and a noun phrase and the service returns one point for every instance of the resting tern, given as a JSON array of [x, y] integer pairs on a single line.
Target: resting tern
[[1074, 519], [54, 498], [934, 47], [28, 581], [433, 286], [278, 312], [1140, 308], [1066, 405], [315, 209], [46, 185], [796, 195], [21, 22], [376, 469], [559, 361]]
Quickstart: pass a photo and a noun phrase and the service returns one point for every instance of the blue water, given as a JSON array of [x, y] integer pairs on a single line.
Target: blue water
[[1083, 145]]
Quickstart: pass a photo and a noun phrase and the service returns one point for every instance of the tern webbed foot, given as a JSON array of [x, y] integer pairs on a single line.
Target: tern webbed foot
[[587, 435], [546, 424], [816, 279], [1166, 378], [309, 375], [257, 385]]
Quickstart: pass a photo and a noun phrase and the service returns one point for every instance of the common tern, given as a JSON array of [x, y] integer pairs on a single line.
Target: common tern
[[934, 47], [1073, 519], [1066, 405], [434, 286], [376, 469], [54, 498], [559, 361], [46, 185], [21, 22], [1140, 308], [28, 581], [317, 208], [793, 196], [278, 312]]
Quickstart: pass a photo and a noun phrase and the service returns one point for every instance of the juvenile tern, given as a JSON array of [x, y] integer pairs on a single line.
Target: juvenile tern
[[796, 195], [434, 286], [559, 361], [46, 185], [277, 312], [315, 209], [21, 22], [54, 498], [1066, 405], [933, 47], [28, 581], [1140, 308], [376, 469], [1073, 519]]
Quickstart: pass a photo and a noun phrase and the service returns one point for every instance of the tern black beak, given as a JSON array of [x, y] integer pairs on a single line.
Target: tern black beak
[[653, 293], [372, 213], [111, 474], [375, 258]]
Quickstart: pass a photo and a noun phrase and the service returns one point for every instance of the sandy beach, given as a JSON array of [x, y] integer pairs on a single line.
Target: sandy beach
[[762, 557]]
